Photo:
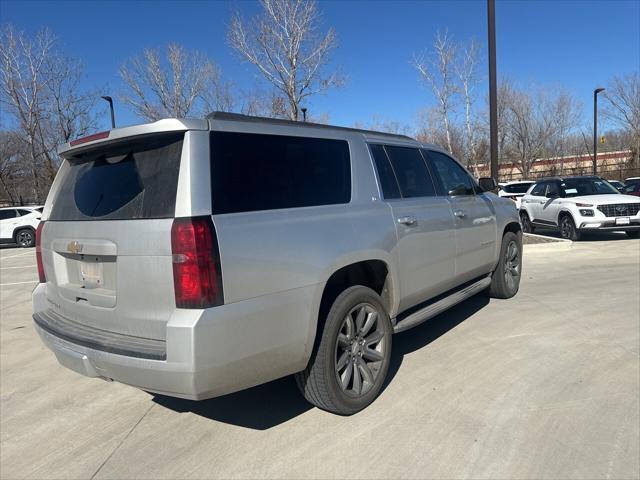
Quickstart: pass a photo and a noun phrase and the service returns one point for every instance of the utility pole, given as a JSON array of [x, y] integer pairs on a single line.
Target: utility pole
[[493, 95], [595, 128]]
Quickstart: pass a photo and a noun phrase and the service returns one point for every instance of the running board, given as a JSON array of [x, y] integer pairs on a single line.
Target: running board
[[440, 306]]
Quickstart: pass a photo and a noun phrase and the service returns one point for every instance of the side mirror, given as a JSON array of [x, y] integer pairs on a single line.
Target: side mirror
[[488, 184]]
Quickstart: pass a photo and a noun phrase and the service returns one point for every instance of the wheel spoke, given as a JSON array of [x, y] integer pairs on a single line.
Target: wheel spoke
[[367, 375], [372, 355], [360, 318], [351, 330], [375, 337], [343, 340], [345, 377], [342, 361], [357, 380], [372, 317]]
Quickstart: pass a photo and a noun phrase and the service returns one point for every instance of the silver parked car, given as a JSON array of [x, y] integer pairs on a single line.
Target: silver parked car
[[194, 258]]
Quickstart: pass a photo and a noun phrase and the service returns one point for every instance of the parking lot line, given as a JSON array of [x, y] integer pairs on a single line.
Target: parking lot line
[[17, 283], [14, 256], [10, 268]]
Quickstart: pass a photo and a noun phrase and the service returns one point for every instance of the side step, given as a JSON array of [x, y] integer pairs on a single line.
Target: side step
[[433, 309]]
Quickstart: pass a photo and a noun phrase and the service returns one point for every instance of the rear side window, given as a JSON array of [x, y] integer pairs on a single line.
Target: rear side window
[[411, 171], [517, 188], [251, 172], [132, 181], [538, 190], [386, 176], [5, 214]]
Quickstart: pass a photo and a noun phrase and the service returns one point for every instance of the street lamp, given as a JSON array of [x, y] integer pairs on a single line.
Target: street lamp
[[113, 118], [595, 127]]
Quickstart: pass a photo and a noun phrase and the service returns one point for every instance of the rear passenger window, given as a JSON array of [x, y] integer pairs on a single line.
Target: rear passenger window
[[5, 214], [387, 178], [22, 212], [251, 172], [411, 171], [454, 179]]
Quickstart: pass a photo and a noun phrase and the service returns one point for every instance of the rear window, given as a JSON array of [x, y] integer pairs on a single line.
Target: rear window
[[132, 181], [251, 172], [516, 188]]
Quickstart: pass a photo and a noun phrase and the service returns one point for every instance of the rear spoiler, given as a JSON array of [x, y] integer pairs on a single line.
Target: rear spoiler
[[118, 134]]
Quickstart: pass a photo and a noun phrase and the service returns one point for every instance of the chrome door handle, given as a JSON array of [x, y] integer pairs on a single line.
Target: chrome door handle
[[408, 220], [459, 214]]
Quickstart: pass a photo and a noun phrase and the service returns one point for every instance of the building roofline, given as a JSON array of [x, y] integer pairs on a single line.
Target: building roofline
[[238, 117]]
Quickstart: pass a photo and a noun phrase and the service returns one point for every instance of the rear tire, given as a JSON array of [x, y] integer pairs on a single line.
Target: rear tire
[[568, 229], [25, 237], [350, 361], [525, 221], [633, 234], [505, 281]]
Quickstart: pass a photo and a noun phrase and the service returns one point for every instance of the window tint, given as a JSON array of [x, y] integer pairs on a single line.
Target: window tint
[[4, 214], [138, 179], [553, 189], [411, 171], [516, 188], [573, 187], [386, 176], [454, 179], [538, 190], [22, 211], [252, 172]]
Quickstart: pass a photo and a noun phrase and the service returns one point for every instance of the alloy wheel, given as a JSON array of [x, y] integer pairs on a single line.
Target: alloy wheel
[[511, 265], [24, 238], [360, 350]]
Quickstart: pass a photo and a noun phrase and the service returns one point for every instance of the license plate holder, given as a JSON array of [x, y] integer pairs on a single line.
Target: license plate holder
[[623, 221], [91, 272]]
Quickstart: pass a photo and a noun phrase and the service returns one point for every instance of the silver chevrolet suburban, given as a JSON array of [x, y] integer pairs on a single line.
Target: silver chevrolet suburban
[[195, 258]]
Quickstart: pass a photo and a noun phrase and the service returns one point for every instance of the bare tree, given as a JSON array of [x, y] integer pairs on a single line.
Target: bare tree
[[40, 91], [467, 70], [186, 83], [566, 113], [623, 96], [437, 71], [284, 44]]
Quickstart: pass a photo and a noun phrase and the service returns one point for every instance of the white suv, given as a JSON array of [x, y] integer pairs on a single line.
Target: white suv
[[579, 204], [515, 190], [19, 224]]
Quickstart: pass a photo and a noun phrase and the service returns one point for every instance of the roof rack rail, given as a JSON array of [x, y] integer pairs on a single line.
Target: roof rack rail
[[238, 117]]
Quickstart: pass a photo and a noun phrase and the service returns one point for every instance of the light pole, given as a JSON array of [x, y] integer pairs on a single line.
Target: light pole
[[493, 96], [113, 117], [595, 127]]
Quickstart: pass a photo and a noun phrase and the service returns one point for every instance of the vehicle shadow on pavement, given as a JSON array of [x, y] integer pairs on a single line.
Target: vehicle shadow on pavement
[[271, 404], [587, 236], [422, 335]]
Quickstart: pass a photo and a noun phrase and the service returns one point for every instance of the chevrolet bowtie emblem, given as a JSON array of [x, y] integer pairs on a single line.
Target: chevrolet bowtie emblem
[[74, 247]]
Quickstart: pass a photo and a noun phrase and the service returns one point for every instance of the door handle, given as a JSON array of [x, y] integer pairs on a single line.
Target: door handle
[[459, 213], [408, 220]]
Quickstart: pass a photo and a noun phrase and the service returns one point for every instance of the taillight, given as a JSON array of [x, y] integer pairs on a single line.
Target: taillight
[[41, 275], [197, 277]]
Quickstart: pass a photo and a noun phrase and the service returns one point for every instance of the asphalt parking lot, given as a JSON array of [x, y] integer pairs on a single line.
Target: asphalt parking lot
[[546, 385]]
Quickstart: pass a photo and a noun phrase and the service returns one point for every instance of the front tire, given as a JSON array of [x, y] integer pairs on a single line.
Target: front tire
[[505, 281], [350, 362], [568, 229], [25, 237]]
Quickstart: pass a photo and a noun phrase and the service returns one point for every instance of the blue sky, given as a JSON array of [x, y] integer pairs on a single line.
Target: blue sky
[[575, 44]]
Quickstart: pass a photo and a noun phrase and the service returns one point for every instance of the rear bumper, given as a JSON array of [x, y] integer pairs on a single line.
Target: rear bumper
[[208, 352]]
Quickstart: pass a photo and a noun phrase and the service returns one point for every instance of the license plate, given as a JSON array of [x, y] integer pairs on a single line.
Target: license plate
[[91, 273], [623, 221]]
